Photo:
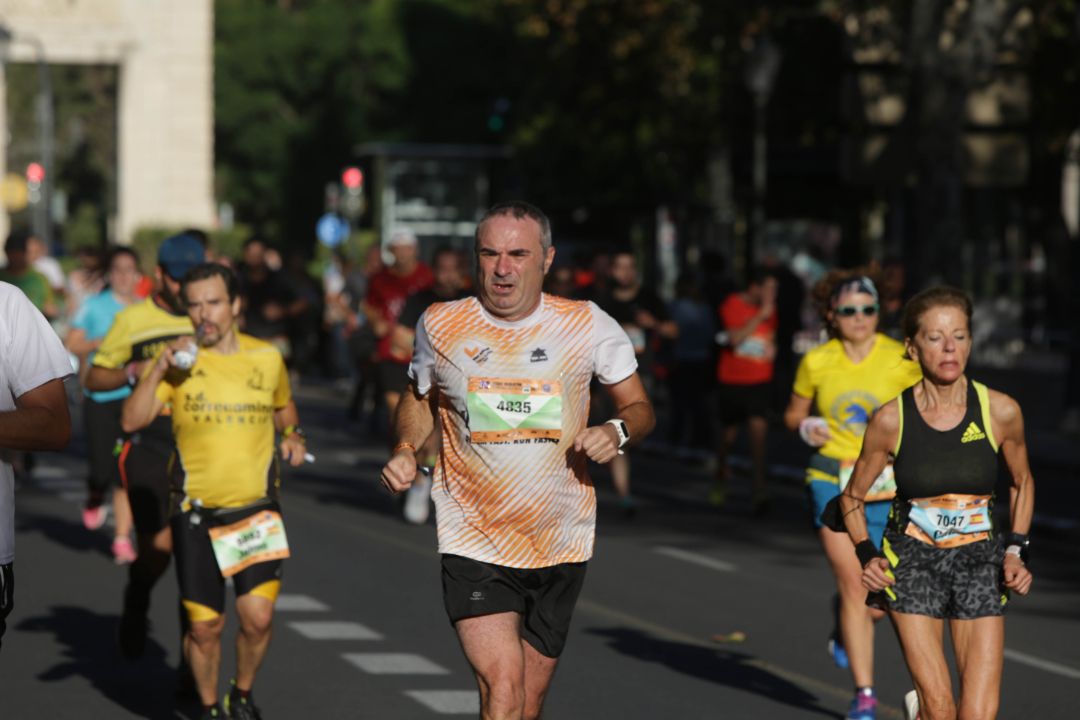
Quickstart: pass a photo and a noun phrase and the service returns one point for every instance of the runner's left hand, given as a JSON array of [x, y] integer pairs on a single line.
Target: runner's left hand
[[600, 443], [1017, 576], [292, 450]]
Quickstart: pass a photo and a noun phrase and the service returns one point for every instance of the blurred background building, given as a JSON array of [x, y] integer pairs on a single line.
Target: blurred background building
[[127, 99]]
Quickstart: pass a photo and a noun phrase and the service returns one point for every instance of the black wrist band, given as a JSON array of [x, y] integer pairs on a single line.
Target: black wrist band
[[1016, 539], [866, 552]]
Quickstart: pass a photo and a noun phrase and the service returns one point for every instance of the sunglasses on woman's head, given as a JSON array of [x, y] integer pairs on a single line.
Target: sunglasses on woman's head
[[850, 310]]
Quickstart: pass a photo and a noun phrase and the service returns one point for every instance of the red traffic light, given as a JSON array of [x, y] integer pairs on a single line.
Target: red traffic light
[[35, 172], [352, 178]]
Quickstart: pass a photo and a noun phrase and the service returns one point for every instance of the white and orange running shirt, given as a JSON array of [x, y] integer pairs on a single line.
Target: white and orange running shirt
[[509, 488]]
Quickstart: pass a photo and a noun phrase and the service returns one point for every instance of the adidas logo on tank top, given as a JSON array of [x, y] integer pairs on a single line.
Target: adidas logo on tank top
[[972, 433]]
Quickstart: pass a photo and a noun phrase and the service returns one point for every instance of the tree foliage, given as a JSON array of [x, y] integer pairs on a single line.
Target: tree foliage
[[297, 84], [85, 141]]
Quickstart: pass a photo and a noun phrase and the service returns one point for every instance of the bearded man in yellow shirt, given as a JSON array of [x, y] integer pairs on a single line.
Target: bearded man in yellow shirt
[[229, 395]]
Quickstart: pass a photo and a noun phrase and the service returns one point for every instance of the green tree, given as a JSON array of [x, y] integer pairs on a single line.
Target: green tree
[[297, 84]]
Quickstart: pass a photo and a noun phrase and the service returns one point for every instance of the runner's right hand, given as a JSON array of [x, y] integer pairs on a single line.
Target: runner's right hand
[[814, 431], [877, 575], [397, 475]]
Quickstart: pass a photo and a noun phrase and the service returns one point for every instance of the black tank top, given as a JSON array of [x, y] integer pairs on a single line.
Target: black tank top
[[932, 462]]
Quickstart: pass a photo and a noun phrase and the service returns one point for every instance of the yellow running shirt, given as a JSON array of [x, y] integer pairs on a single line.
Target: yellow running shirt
[[138, 333], [509, 488], [847, 394], [223, 420]]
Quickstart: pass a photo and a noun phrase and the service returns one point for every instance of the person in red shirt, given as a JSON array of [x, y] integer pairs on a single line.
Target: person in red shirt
[[745, 372], [386, 296]]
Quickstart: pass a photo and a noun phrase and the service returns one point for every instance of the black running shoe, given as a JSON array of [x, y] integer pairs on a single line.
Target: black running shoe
[[240, 708], [213, 713]]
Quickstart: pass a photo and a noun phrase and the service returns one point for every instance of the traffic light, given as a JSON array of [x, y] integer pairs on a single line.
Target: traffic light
[[497, 117], [35, 175], [352, 205], [352, 178]]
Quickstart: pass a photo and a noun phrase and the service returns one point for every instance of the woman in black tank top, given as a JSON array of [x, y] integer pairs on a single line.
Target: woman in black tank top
[[942, 556]]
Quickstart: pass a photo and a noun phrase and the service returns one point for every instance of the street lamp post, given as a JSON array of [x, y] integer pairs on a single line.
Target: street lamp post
[[45, 123]]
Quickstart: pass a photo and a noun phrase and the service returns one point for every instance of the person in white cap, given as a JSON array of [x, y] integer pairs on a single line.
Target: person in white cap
[[387, 293]]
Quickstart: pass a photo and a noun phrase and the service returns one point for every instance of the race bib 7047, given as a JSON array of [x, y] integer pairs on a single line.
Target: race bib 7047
[[508, 409], [950, 520]]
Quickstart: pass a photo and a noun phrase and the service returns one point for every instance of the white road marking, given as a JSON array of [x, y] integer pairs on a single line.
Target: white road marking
[[448, 702], [395, 664], [1047, 665], [73, 496], [49, 472], [299, 603], [697, 559], [334, 630]]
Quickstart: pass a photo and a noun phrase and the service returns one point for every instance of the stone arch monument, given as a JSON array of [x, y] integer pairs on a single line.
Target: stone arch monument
[[164, 52]]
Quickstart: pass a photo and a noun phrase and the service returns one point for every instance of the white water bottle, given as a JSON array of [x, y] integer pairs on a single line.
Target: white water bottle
[[185, 358]]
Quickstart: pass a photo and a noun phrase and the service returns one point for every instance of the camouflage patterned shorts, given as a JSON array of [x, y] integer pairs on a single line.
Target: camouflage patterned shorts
[[961, 583]]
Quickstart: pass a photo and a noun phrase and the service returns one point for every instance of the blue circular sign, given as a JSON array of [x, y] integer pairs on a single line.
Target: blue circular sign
[[332, 230]]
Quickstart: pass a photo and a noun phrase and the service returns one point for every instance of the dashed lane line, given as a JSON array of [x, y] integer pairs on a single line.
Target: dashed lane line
[[395, 664], [334, 630], [51, 472], [696, 558], [299, 603], [448, 702]]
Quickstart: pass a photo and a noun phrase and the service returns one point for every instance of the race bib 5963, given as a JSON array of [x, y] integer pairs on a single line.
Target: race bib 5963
[[255, 539]]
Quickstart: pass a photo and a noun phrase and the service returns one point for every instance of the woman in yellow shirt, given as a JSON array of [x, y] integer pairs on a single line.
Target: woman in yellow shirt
[[846, 380]]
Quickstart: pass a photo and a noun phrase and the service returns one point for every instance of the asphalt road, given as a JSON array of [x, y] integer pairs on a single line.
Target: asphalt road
[[360, 630]]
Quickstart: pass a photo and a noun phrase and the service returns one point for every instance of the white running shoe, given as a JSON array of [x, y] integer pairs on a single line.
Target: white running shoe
[[911, 705], [418, 500]]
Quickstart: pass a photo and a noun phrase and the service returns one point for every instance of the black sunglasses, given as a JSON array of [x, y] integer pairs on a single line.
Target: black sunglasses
[[850, 310]]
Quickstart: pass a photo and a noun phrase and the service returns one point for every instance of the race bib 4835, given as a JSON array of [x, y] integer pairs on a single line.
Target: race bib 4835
[[508, 409]]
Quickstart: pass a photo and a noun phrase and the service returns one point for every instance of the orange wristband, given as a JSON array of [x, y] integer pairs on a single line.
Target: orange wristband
[[402, 446]]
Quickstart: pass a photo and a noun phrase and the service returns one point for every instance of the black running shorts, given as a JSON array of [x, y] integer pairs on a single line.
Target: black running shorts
[[144, 470], [961, 583], [202, 588], [544, 597], [102, 420], [737, 403]]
